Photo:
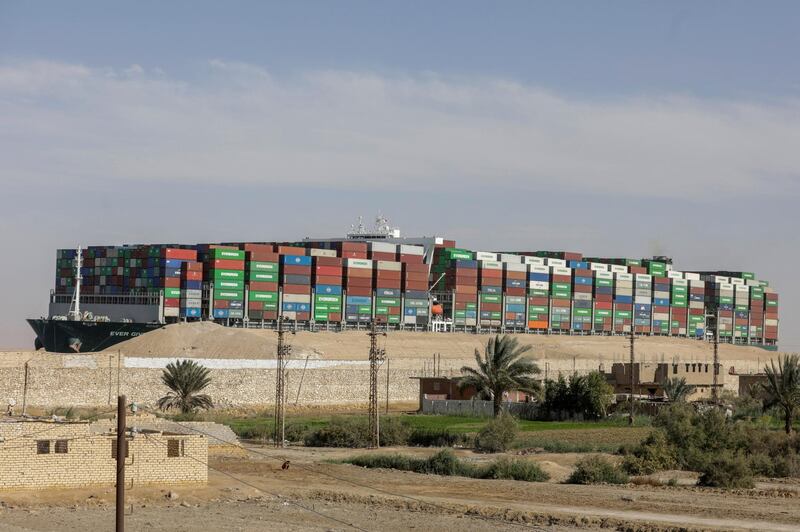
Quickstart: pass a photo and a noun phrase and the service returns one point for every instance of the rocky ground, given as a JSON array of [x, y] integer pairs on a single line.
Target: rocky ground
[[250, 491]]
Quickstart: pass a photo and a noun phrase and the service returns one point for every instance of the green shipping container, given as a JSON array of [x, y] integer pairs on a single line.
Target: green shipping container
[[227, 254], [228, 275], [230, 295], [388, 301], [365, 309], [264, 277], [229, 285], [490, 298], [263, 296], [263, 266], [172, 293]]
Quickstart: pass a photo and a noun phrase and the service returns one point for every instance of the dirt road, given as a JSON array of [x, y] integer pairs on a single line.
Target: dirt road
[[253, 493]]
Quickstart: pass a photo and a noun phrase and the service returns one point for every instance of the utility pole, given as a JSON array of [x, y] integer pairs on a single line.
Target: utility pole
[[122, 445], [376, 358], [715, 376], [387, 386], [280, 387], [25, 389], [633, 378]]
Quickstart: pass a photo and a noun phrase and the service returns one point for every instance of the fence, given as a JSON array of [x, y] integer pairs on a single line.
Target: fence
[[476, 408]]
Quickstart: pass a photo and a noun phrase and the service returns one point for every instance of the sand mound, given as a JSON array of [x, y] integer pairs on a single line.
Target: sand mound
[[208, 340]]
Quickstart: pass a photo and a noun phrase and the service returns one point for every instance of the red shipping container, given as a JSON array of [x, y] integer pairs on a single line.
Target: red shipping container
[[358, 272], [296, 289], [380, 255], [261, 286], [260, 256], [602, 305], [511, 291], [329, 270], [411, 259], [359, 291], [638, 269], [332, 280], [260, 248], [539, 301], [180, 254], [328, 261], [560, 302], [465, 289], [582, 272], [582, 288], [359, 281], [192, 276], [394, 311], [334, 316], [416, 285], [491, 307], [292, 269], [354, 254], [192, 266], [291, 250], [172, 302], [353, 246], [227, 264], [416, 268], [172, 282], [492, 274], [561, 278], [416, 276], [605, 298], [221, 303], [387, 274]]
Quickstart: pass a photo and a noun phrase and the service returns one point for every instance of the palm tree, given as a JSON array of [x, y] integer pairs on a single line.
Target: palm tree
[[677, 390], [501, 369], [185, 379], [783, 387]]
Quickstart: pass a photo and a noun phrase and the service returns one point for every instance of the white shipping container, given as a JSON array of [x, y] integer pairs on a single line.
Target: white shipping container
[[485, 255], [664, 316], [771, 322], [389, 265], [508, 257], [561, 270], [513, 267], [624, 277], [696, 304], [675, 275], [191, 294], [737, 281], [618, 268], [661, 294], [642, 300], [405, 249], [561, 263], [383, 247], [581, 296], [598, 267], [364, 264], [539, 261], [192, 303], [644, 278], [171, 312], [491, 265], [538, 285], [296, 298], [539, 269], [314, 252], [604, 275], [680, 282], [691, 276], [751, 282], [289, 314]]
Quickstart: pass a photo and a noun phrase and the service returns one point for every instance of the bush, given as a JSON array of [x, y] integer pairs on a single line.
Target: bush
[[435, 438], [354, 432], [653, 454], [727, 471], [597, 470], [515, 469], [584, 396], [446, 463], [497, 435]]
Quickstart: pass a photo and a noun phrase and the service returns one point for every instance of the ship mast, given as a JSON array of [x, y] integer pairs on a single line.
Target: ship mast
[[75, 306]]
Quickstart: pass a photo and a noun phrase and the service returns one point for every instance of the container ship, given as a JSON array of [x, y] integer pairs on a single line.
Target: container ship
[[107, 294]]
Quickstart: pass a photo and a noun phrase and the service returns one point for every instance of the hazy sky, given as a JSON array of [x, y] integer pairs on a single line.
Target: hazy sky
[[608, 128]]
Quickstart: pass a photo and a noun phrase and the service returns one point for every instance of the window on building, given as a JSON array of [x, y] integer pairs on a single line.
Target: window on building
[[114, 449], [687, 368], [706, 368], [42, 446], [174, 448], [674, 369], [61, 447]]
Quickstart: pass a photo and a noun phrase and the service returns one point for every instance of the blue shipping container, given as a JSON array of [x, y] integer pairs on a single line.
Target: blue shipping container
[[329, 289], [297, 260]]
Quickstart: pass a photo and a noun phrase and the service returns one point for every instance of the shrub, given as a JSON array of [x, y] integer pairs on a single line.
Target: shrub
[[354, 432], [435, 438], [597, 470], [653, 454], [515, 469], [727, 470], [497, 434], [446, 463]]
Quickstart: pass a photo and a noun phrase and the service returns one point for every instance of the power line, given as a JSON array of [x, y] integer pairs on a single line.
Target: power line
[[234, 477], [55, 425], [360, 485]]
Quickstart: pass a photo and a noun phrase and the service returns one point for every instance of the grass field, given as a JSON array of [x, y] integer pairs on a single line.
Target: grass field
[[552, 436]]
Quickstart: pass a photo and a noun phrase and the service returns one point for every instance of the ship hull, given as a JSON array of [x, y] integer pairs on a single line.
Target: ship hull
[[59, 336]]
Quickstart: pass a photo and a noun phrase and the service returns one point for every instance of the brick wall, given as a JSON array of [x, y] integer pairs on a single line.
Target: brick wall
[[88, 459]]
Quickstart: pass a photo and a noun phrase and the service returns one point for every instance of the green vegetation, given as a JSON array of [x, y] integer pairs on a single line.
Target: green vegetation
[[185, 379], [587, 396], [354, 432], [783, 387], [502, 369], [497, 435], [677, 390], [446, 463], [596, 469], [728, 453]]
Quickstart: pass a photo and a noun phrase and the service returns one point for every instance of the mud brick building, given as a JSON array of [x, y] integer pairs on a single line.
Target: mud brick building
[[46, 454]]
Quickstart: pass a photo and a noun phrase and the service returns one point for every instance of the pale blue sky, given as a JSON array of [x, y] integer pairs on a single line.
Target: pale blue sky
[[604, 127]]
